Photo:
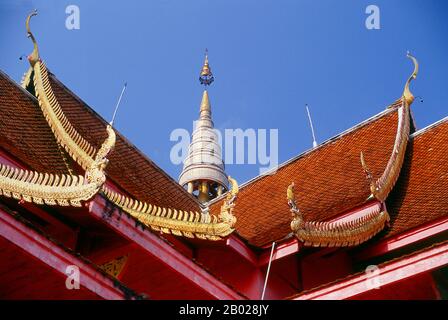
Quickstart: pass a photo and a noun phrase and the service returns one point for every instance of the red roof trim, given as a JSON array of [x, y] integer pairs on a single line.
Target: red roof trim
[[389, 272], [55, 257], [403, 239]]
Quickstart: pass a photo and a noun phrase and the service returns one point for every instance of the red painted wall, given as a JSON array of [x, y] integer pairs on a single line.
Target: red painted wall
[[420, 287], [320, 268]]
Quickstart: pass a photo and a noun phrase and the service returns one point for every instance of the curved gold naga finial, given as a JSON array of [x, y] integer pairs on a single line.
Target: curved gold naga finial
[[407, 94], [54, 189], [34, 56], [233, 192], [180, 222], [290, 196], [334, 234], [96, 171], [381, 187]]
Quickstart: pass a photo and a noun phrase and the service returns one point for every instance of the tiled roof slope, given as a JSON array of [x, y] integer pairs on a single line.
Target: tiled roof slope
[[24, 132], [128, 167], [421, 193], [27, 135], [329, 180]]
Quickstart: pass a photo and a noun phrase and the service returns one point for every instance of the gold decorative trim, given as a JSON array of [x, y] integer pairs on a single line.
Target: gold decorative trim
[[381, 187], [76, 146], [407, 94], [114, 267], [66, 135], [178, 222], [34, 56], [335, 234], [44, 188], [53, 189], [26, 79]]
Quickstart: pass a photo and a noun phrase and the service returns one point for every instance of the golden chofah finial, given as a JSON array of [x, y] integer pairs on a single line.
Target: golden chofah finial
[[290, 192], [234, 186], [34, 56], [369, 176], [407, 94], [206, 78], [291, 197], [233, 192]]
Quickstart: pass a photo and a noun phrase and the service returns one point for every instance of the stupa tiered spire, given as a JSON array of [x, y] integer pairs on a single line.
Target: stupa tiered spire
[[203, 173]]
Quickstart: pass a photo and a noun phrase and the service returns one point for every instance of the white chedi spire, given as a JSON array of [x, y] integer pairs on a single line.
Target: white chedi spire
[[203, 173]]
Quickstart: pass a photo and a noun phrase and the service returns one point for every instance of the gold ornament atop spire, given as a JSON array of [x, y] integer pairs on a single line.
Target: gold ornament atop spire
[[206, 78], [34, 56], [407, 94], [205, 103]]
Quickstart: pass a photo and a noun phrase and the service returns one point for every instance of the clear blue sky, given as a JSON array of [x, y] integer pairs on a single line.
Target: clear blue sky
[[269, 59]]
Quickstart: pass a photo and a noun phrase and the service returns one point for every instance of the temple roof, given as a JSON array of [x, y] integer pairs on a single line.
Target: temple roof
[[33, 143], [330, 181], [134, 183], [329, 178], [420, 195], [329, 189], [24, 132]]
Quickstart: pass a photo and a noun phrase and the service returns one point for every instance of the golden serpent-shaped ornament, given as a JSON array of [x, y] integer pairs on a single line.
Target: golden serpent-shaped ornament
[[381, 187], [57, 189], [191, 224], [335, 234]]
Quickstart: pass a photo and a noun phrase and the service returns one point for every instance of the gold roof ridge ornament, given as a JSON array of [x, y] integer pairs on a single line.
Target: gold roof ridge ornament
[[80, 150], [407, 94], [381, 187], [66, 135], [180, 222], [54, 189], [34, 56], [47, 188], [334, 234]]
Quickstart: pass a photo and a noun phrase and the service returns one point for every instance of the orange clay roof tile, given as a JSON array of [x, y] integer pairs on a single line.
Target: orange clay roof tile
[[25, 134], [128, 167], [421, 192], [329, 180]]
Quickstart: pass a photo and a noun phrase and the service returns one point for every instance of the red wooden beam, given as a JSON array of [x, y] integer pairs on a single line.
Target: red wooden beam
[[5, 158], [281, 250], [389, 272], [155, 246], [404, 239], [55, 257], [234, 243]]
